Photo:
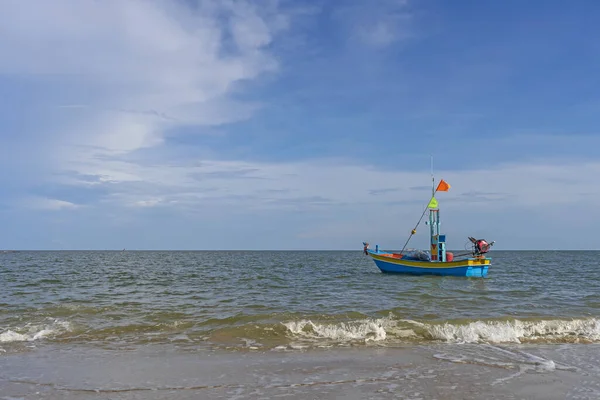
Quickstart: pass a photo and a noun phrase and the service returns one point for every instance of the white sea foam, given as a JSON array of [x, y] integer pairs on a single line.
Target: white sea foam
[[510, 358], [362, 330], [390, 329], [251, 344], [517, 331], [31, 332]]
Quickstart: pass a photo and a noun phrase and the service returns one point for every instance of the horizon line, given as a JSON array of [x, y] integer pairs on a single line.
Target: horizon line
[[282, 250]]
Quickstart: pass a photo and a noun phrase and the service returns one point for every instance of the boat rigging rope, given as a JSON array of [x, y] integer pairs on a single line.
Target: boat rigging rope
[[433, 192], [414, 230]]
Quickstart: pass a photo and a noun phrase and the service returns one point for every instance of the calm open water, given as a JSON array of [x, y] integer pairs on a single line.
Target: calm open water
[[236, 303]]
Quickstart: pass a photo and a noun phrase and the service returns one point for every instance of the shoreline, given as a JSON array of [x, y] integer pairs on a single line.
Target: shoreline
[[419, 371]]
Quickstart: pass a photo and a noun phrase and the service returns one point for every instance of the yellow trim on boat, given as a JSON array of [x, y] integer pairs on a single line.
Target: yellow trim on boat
[[429, 264]]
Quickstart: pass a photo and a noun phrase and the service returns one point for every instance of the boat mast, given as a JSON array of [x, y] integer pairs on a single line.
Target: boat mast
[[433, 221], [437, 242]]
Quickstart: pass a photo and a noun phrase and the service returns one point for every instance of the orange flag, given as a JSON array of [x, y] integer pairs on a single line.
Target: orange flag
[[442, 186]]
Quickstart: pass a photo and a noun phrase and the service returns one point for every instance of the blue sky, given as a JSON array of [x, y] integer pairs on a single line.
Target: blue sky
[[271, 124]]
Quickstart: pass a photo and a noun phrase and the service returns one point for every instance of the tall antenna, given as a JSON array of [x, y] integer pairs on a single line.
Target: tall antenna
[[432, 178], [414, 231]]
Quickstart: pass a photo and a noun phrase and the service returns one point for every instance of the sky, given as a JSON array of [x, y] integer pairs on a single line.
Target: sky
[[235, 124]]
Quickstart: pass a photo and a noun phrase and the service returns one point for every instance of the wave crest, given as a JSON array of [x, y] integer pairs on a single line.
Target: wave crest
[[362, 330], [518, 331], [32, 332], [390, 330]]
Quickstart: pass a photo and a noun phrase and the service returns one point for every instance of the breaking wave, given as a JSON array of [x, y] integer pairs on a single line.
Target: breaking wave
[[276, 331], [517, 331], [365, 330], [386, 330], [31, 332]]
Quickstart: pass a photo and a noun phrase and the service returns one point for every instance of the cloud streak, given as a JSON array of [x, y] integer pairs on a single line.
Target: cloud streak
[[46, 204], [259, 184]]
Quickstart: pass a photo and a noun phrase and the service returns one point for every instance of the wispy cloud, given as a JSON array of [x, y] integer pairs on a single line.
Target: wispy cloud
[[476, 196], [136, 69], [40, 203], [514, 185], [376, 192], [378, 23], [420, 188]]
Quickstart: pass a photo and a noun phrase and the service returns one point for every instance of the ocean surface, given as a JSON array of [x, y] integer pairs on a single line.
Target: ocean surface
[[253, 321]]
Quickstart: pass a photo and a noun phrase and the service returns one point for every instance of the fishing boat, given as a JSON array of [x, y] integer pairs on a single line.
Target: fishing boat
[[438, 261]]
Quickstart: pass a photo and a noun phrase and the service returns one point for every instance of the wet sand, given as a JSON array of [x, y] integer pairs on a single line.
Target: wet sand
[[412, 372]]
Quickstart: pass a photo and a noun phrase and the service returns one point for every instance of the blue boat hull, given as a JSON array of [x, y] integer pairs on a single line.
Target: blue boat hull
[[394, 263], [466, 271]]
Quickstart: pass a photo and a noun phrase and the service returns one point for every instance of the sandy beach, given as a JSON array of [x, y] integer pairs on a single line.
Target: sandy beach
[[414, 372]]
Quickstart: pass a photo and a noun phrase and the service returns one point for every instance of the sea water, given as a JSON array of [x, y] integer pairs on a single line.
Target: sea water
[[241, 324]]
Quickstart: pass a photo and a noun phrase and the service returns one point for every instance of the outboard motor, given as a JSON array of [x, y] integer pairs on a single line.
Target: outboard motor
[[480, 246]]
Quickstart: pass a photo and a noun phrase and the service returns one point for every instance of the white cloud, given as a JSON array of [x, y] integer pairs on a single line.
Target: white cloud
[[382, 33], [130, 70], [148, 203], [334, 183], [339, 202], [378, 23], [47, 204]]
